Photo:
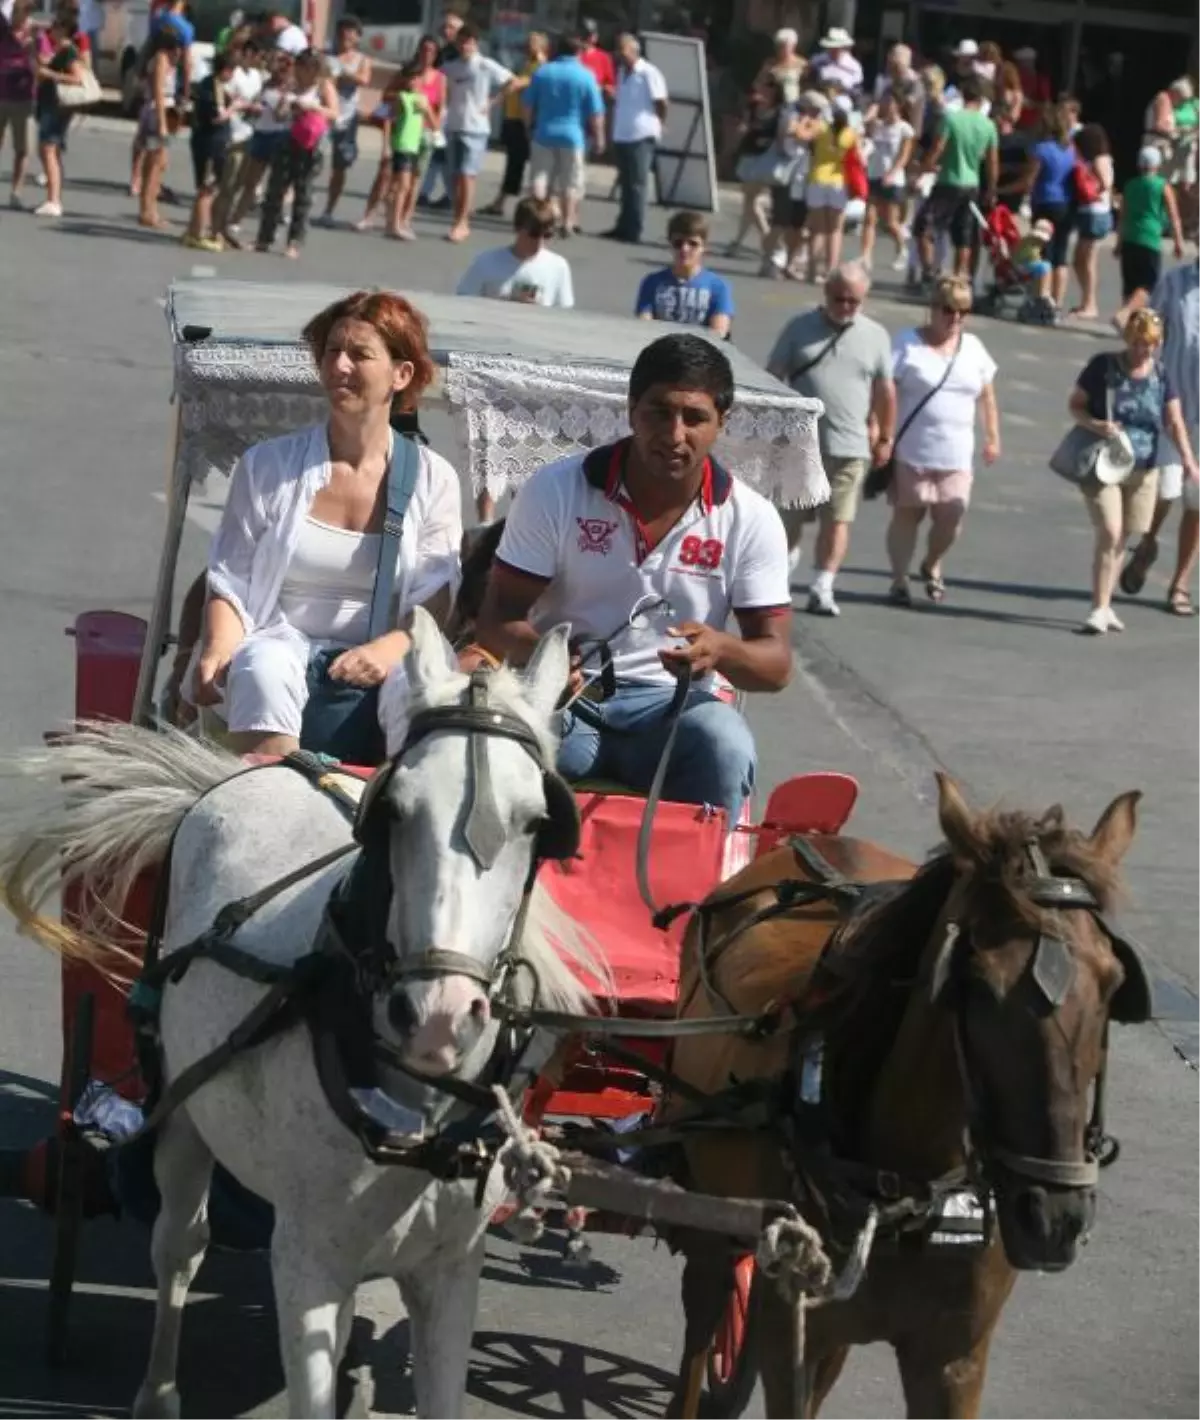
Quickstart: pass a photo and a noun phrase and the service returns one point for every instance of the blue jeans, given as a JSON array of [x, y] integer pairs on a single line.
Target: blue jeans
[[713, 761], [634, 161]]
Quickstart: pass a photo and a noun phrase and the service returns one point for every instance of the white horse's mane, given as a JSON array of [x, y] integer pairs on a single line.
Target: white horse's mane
[[113, 795]]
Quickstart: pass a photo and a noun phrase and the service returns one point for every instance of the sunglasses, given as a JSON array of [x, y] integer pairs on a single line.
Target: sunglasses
[[953, 311]]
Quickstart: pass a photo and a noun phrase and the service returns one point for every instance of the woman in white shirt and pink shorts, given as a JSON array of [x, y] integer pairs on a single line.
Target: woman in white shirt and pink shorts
[[935, 449]]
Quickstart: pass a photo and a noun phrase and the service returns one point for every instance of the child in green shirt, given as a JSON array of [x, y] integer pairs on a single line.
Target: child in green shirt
[[408, 143], [1148, 208]]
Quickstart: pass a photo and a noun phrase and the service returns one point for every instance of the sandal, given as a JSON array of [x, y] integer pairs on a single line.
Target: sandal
[[899, 595], [935, 586], [1179, 602], [1135, 571]]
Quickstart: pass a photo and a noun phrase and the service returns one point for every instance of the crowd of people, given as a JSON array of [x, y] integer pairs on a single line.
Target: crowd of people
[[925, 157], [947, 168]]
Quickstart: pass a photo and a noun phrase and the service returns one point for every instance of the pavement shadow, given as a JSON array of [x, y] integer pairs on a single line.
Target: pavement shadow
[[544, 1266], [1033, 591], [532, 1375], [948, 608], [122, 231]]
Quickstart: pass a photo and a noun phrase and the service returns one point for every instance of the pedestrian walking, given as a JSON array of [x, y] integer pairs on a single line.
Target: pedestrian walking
[[892, 139], [966, 143], [836, 353], [350, 70], [1093, 183], [1176, 299], [473, 82], [638, 114], [158, 123], [1148, 208], [310, 109], [1127, 395], [18, 62], [1050, 184], [566, 111], [245, 88], [944, 382], [271, 124], [515, 127], [826, 194], [211, 129], [685, 292], [59, 61]]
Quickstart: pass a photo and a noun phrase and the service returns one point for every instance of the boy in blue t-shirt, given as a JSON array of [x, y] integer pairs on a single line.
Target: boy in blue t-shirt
[[684, 292]]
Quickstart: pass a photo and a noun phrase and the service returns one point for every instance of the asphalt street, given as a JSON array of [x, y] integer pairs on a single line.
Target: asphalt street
[[992, 685]]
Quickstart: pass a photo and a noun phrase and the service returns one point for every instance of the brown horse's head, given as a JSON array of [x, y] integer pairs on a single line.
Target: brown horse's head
[[1033, 981]]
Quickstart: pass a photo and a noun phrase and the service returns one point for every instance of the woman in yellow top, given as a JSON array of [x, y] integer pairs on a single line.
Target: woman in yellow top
[[514, 132], [825, 195]]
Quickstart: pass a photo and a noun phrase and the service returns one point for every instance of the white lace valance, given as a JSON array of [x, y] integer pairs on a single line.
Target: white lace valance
[[519, 415], [512, 415]]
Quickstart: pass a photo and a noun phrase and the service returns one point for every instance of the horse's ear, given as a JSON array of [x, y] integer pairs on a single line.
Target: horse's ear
[[430, 657], [958, 822], [1115, 828], [547, 671]]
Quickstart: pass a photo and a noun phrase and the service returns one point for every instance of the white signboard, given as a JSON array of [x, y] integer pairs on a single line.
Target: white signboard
[[685, 168]]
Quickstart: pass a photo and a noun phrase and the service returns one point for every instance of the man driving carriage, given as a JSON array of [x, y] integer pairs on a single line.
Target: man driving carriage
[[646, 547]]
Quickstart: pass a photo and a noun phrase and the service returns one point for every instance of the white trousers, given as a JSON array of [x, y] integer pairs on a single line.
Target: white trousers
[[267, 688]]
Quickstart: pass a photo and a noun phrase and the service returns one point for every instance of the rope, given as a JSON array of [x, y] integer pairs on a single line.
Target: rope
[[532, 1168], [792, 1254]]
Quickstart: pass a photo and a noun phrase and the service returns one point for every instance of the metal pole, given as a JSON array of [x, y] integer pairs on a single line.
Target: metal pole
[[158, 622]]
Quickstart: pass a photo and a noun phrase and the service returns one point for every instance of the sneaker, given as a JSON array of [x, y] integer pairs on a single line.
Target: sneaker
[[1114, 621], [900, 262], [324, 220], [48, 209], [1097, 623], [821, 603], [15, 202]]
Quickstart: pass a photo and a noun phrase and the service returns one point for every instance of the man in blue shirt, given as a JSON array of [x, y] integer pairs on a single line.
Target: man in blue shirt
[[684, 292], [564, 103]]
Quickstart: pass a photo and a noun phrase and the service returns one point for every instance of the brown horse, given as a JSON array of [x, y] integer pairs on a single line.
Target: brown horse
[[963, 1026]]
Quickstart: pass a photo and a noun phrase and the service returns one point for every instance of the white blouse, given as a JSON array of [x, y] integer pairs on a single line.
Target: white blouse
[[270, 497]]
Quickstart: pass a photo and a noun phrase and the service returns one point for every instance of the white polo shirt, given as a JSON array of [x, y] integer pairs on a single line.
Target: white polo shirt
[[634, 115], [572, 526]]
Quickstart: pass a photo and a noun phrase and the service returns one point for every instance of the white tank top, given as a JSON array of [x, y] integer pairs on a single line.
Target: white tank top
[[326, 592]]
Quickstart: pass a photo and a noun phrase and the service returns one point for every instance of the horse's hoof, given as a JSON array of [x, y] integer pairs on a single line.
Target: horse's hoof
[[156, 1403]]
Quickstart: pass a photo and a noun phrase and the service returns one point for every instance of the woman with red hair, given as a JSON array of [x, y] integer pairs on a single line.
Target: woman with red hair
[[293, 565]]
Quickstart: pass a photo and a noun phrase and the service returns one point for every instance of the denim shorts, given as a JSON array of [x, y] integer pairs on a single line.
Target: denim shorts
[[343, 144], [264, 146], [1094, 226], [465, 153], [52, 125]]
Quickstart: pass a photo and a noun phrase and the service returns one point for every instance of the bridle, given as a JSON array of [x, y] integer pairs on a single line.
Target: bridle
[[484, 834], [1052, 969]]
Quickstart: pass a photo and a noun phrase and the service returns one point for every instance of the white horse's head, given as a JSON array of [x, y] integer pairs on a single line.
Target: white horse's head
[[463, 810]]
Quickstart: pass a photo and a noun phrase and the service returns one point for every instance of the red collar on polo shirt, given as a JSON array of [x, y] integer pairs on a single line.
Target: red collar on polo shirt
[[604, 468]]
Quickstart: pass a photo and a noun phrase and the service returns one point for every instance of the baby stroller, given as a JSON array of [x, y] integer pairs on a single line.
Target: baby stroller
[[1010, 292]]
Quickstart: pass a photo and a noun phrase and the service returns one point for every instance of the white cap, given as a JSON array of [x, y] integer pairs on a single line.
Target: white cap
[[837, 38], [786, 36], [1149, 157], [967, 49], [843, 103]]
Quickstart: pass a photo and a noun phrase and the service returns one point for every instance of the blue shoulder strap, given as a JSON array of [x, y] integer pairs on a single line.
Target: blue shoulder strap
[[401, 480]]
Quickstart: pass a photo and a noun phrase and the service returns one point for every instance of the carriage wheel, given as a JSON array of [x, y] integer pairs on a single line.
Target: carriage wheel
[[72, 1165], [732, 1368]]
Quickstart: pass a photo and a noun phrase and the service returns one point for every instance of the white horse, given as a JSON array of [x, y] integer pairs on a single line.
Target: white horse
[[339, 1218]]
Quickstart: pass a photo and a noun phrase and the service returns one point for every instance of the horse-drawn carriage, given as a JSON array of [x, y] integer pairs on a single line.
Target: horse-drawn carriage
[[737, 1052]]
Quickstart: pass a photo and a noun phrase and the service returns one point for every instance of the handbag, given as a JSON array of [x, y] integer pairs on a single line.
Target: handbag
[[1079, 449], [342, 720], [79, 95], [854, 173], [879, 480]]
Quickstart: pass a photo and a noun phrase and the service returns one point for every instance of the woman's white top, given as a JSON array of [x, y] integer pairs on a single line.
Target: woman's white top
[[269, 506], [942, 436], [887, 140], [326, 592]]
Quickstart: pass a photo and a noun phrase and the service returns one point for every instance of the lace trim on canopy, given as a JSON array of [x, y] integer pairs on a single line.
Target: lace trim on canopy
[[519, 416], [512, 416]]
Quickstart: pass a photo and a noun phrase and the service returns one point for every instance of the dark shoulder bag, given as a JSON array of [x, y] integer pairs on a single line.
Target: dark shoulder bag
[[342, 720], [879, 480]]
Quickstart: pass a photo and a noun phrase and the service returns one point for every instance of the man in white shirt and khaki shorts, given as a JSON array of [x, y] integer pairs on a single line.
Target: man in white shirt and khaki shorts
[[647, 547]]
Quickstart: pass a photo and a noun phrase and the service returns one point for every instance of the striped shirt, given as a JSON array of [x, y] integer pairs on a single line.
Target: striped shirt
[[1177, 299]]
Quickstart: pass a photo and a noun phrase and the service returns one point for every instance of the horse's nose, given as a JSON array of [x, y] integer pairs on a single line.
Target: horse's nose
[[402, 1016]]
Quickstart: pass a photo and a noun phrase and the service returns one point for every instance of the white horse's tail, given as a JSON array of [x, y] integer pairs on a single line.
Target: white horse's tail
[[107, 799]]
